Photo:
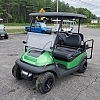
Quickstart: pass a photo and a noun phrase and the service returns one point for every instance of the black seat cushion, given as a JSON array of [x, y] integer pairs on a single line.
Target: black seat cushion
[[65, 54]]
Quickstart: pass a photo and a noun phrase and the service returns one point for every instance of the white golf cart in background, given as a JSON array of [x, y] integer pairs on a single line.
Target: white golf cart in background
[[3, 33], [67, 26]]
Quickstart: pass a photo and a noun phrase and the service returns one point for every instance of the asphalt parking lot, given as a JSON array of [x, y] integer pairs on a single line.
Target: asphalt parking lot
[[72, 87]]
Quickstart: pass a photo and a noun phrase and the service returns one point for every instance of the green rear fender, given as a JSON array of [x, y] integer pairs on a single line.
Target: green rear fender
[[75, 62]]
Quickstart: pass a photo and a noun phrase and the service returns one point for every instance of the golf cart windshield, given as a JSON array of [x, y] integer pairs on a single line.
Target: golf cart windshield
[[43, 24], [1, 25], [39, 41], [38, 24]]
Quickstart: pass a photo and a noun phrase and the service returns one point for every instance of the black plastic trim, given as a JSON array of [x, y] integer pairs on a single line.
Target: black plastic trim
[[60, 72], [34, 69]]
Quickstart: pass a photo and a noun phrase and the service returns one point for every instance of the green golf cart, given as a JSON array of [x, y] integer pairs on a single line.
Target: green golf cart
[[62, 54]]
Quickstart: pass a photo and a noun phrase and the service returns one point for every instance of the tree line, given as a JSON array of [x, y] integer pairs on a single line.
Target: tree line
[[18, 10]]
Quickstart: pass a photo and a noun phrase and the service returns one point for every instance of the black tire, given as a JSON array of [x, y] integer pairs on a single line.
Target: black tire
[[27, 30], [6, 36], [45, 82], [83, 66], [43, 32], [16, 72]]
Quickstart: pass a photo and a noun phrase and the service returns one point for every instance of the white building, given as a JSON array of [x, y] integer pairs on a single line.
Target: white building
[[95, 21]]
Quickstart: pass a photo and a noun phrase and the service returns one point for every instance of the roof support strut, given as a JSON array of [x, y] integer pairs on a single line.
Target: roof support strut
[[79, 25]]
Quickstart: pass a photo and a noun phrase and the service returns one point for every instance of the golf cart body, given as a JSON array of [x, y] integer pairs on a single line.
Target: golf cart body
[[67, 26], [38, 27], [63, 54], [2, 30]]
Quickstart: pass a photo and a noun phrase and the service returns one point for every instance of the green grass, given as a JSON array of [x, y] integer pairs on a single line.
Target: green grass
[[15, 31], [16, 24], [20, 24], [94, 26]]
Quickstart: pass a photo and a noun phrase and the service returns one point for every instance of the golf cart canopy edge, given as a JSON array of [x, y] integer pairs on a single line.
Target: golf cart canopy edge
[[59, 15]]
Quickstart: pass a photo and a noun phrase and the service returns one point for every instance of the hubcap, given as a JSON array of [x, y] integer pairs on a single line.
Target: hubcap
[[48, 83], [84, 67]]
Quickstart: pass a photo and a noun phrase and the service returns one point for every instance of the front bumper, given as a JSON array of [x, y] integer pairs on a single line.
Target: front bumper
[[2, 34], [34, 69]]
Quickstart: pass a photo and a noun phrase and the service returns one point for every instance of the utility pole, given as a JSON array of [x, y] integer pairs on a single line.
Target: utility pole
[[57, 5], [57, 10]]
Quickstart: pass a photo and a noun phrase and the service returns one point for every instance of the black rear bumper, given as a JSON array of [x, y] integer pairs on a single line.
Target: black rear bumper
[[34, 69]]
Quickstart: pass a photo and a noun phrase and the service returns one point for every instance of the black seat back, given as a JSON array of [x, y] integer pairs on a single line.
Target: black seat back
[[71, 41], [74, 40], [81, 35]]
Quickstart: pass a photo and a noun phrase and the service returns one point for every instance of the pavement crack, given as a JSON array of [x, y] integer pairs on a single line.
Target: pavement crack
[[79, 75], [12, 55], [86, 87], [13, 90]]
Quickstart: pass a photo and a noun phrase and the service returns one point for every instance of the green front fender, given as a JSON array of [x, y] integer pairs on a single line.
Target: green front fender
[[42, 60]]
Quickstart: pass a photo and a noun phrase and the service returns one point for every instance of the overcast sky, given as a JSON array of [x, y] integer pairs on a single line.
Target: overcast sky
[[92, 5]]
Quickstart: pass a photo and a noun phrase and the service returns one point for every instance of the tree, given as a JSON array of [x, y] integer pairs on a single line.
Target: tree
[[18, 10]]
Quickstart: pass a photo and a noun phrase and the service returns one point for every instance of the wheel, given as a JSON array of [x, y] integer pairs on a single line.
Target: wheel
[[55, 32], [16, 72], [45, 82], [27, 30], [83, 66], [43, 32], [6, 36]]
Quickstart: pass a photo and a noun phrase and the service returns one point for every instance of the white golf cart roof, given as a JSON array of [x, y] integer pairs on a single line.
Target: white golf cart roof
[[63, 20], [1, 19]]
